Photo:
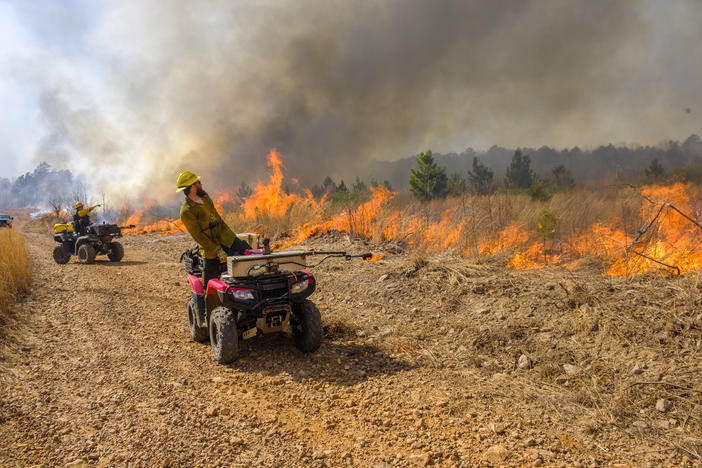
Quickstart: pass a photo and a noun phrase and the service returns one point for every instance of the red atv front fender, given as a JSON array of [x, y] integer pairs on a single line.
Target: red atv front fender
[[195, 284]]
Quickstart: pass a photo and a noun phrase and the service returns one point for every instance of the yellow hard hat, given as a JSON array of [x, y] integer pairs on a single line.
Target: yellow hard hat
[[79, 205], [186, 179]]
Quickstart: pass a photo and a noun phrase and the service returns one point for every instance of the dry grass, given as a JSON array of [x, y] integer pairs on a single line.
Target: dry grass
[[16, 273], [484, 217], [42, 224], [583, 226], [275, 227]]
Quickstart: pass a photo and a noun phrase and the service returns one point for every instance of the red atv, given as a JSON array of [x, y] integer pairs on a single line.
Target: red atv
[[260, 293]]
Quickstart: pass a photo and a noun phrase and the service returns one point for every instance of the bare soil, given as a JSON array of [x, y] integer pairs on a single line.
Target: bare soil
[[426, 361]]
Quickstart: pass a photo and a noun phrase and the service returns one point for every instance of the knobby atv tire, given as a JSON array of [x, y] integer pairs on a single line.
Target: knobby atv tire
[[224, 337], [86, 253], [116, 252], [308, 334], [60, 255], [197, 333]]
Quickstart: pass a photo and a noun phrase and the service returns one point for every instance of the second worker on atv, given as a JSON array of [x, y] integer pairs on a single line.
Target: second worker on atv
[[81, 220], [200, 218]]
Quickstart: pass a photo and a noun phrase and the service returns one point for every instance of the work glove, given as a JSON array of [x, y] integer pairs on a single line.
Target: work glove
[[221, 254]]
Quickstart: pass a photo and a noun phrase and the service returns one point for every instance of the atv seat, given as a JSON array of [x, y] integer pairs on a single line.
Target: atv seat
[[193, 263]]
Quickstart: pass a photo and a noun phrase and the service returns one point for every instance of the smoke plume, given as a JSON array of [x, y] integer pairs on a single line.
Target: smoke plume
[[211, 86]]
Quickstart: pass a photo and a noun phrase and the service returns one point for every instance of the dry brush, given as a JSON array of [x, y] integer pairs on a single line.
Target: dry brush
[[15, 279]]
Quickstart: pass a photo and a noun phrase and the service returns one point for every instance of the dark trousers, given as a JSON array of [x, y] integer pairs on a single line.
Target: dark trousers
[[212, 267]]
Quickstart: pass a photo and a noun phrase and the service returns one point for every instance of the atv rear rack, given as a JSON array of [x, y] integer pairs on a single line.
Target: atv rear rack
[[254, 265]]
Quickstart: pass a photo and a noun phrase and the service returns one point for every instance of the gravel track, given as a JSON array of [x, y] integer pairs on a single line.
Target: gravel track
[[100, 371]]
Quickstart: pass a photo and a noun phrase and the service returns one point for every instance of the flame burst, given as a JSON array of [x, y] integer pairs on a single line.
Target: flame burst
[[270, 198], [375, 257]]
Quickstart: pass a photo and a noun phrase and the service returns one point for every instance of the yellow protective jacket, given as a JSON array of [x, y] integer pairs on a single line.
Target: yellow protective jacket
[[86, 211], [81, 221], [197, 217]]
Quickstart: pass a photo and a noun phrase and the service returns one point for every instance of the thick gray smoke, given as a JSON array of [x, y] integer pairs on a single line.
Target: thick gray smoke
[[211, 86]]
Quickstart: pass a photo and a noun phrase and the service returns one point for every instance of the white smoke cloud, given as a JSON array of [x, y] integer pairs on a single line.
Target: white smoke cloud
[[152, 88]]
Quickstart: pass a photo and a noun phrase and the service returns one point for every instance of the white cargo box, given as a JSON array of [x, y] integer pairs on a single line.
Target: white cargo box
[[250, 237], [254, 265]]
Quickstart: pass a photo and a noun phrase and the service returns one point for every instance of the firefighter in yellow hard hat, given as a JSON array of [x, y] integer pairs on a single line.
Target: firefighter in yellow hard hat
[[81, 220], [200, 218]]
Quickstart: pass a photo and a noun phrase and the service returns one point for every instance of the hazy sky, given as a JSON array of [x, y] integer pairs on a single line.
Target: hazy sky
[[131, 92]]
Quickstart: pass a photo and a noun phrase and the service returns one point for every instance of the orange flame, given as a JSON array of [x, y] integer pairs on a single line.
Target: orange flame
[[270, 199], [375, 257], [669, 240]]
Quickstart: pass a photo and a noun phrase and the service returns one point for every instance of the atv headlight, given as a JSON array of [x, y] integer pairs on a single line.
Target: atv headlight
[[299, 287], [243, 294]]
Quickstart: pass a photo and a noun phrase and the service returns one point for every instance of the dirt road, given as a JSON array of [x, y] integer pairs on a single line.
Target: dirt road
[[419, 366]]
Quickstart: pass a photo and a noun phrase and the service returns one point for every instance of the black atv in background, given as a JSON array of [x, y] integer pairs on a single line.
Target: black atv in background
[[99, 240], [6, 220]]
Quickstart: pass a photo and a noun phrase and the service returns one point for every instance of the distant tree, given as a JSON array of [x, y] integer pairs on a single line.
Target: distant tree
[[374, 183], [359, 185], [358, 193], [519, 173], [428, 181], [547, 223], [5, 195], [457, 185], [655, 171], [480, 178], [317, 191], [540, 188], [329, 184], [688, 174], [56, 202], [244, 191], [80, 193], [562, 178]]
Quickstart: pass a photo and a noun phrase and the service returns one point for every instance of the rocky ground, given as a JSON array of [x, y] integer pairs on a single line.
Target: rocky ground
[[426, 361]]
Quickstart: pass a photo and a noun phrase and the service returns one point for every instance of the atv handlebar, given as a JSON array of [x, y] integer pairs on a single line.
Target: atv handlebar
[[327, 254]]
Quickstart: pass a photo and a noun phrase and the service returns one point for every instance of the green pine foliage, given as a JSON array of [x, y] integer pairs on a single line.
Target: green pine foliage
[[655, 170], [457, 185], [481, 178], [428, 181], [562, 178], [519, 173]]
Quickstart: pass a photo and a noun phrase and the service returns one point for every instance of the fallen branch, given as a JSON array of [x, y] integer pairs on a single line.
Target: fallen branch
[[668, 384], [670, 205], [689, 452], [667, 449], [643, 231], [672, 267]]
